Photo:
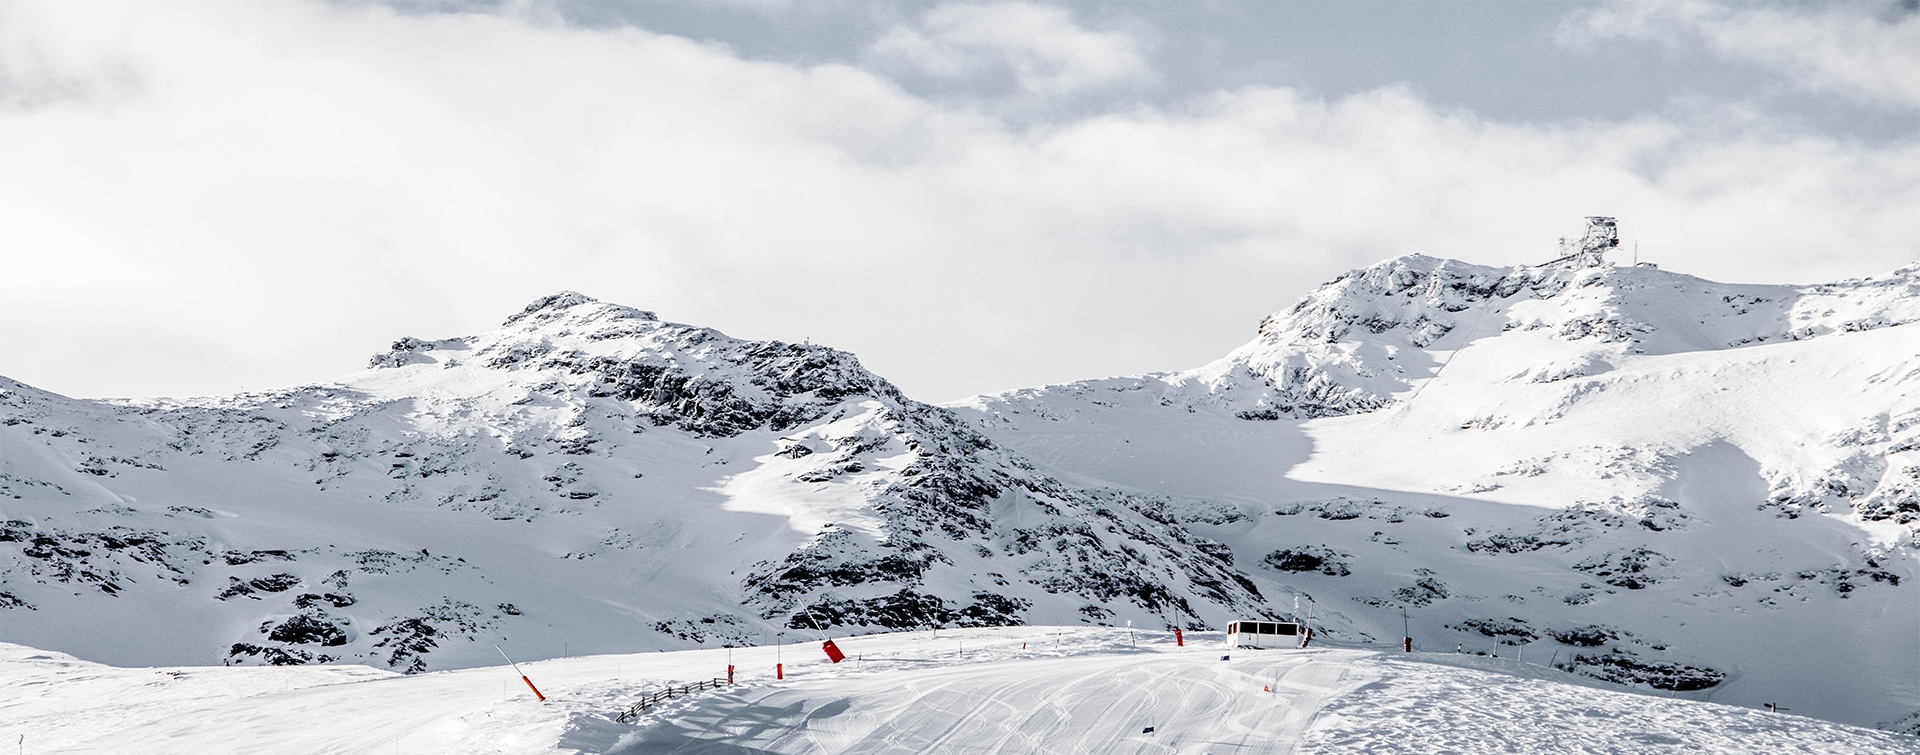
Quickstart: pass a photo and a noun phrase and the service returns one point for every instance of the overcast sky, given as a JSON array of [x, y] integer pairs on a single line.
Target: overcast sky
[[196, 198]]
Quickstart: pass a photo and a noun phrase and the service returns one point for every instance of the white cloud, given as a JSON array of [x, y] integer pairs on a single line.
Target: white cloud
[[266, 193], [1859, 49], [1046, 51]]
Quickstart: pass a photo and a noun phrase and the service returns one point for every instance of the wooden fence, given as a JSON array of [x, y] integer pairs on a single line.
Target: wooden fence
[[647, 703]]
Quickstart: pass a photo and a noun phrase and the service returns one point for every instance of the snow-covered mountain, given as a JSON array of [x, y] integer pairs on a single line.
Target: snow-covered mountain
[[585, 478], [1704, 490], [1660, 479]]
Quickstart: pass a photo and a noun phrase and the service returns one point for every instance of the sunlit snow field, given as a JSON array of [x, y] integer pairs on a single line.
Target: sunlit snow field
[[1016, 689]]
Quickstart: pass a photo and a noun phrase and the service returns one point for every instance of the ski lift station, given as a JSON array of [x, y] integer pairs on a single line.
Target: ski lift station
[[1263, 634]]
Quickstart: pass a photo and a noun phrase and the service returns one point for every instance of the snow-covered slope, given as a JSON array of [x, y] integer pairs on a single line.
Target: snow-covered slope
[[1673, 482], [1700, 489], [1013, 691], [586, 478]]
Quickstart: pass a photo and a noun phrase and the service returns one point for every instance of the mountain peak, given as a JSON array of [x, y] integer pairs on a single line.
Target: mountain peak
[[565, 303]]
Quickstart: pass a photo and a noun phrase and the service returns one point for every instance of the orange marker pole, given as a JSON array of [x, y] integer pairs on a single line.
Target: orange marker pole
[[523, 677]]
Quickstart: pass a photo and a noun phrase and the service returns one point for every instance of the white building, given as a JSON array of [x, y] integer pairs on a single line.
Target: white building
[[1263, 634]]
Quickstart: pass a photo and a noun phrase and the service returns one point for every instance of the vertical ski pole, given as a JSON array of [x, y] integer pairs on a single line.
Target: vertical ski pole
[[523, 677]]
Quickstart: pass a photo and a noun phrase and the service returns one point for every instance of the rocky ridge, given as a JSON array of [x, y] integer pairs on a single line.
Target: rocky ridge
[[590, 439]]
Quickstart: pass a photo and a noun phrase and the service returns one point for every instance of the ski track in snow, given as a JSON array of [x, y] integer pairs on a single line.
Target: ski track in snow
[[1011, 692], [1422, 708], [1084, 704]]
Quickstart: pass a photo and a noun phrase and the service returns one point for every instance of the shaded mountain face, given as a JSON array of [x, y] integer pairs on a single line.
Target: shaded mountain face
[[586, 478], [1641, 476]]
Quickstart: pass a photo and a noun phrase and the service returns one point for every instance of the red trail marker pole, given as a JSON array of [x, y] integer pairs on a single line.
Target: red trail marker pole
[[523, 677], [1179, 640]]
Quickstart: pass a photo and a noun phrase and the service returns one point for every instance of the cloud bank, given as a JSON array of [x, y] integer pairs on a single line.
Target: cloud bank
[[1868, 50], [1047, 53], [198, 198]]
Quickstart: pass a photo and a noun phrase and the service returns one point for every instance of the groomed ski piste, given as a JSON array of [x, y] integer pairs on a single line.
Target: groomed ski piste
[[1010, 689]]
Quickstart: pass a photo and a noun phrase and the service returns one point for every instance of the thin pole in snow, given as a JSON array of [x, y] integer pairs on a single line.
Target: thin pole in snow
[[818, 627], [523, 677]]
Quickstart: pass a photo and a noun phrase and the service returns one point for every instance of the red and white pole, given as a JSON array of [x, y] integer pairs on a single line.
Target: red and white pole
[[523, 677]]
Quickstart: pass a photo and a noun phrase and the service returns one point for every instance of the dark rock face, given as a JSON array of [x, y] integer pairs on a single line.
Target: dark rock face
[[1897, 499], [1099, 546], [1425, 284], [1310, 558], [1635, 568], [1590, 636], [104, 560], [1622, 668], [797, 384], [308, 629], [405, 643], [1507, 629], [273, 656]]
